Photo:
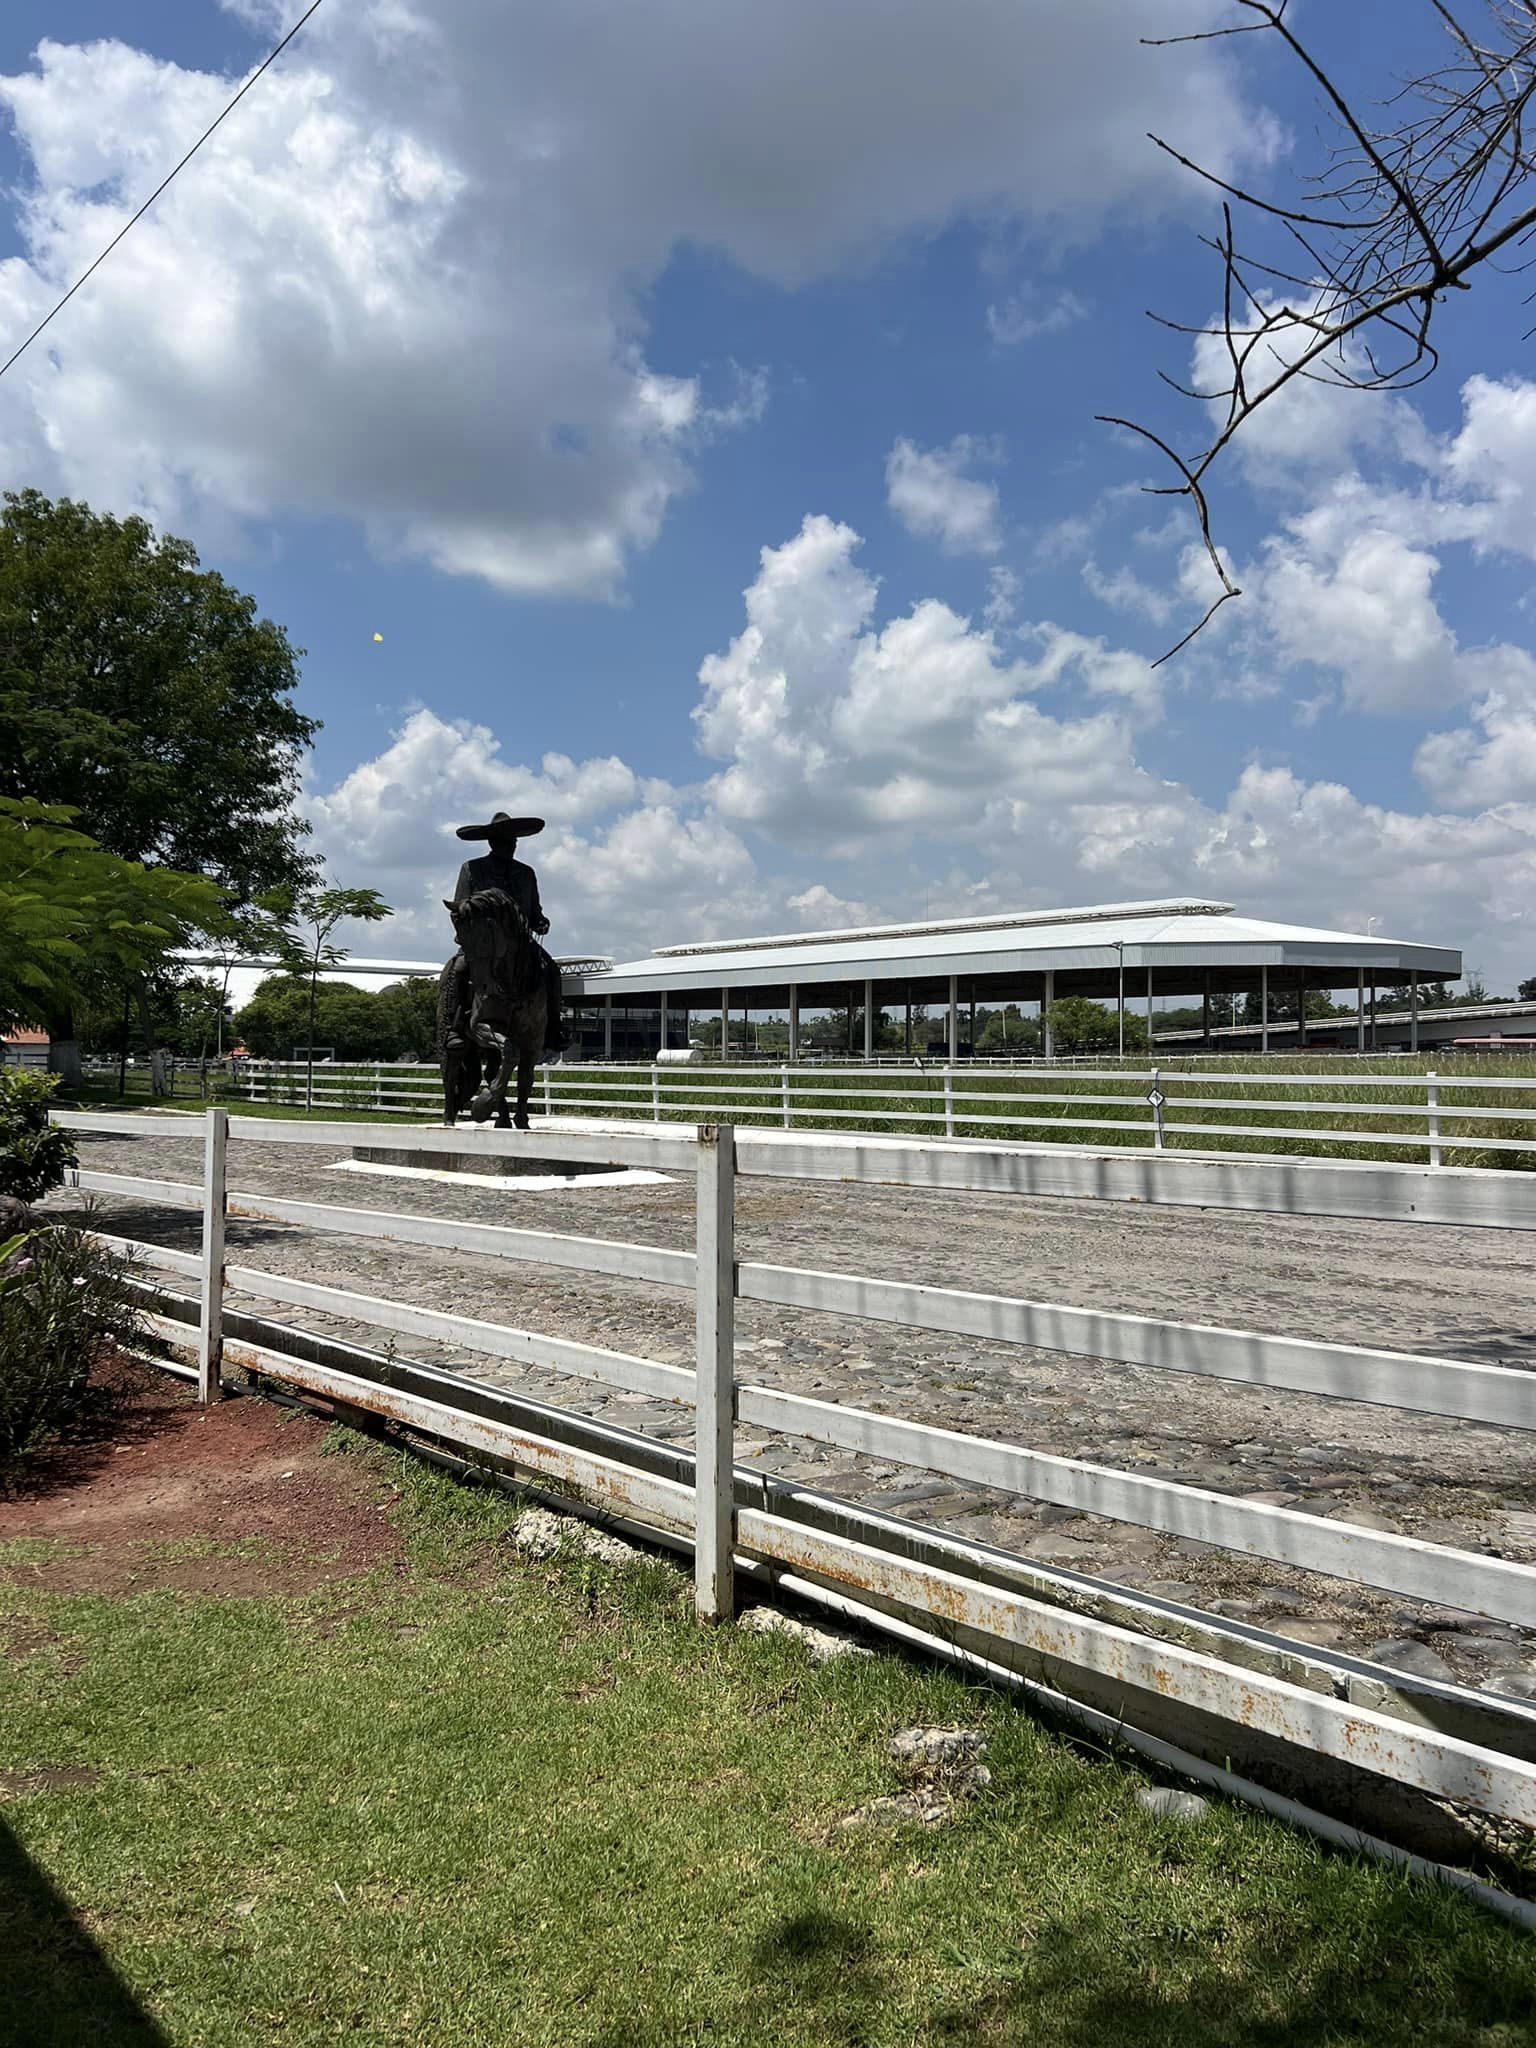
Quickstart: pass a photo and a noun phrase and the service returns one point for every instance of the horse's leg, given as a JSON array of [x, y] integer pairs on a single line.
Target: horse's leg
[[499, 1054], [453, 1064], [524, 1085], [530, 1033]]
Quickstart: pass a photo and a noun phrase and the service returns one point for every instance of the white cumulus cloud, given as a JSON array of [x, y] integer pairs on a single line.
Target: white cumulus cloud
[[406, 283], [931, 492]]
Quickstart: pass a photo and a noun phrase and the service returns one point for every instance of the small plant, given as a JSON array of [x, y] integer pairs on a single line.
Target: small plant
[[34, 1154], [65, 1304]]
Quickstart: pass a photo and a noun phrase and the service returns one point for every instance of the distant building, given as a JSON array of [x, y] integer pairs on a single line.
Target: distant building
[[1132, 956], [24, 1049]]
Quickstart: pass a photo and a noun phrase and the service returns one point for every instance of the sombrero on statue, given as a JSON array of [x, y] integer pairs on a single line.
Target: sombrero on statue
[[502, 826]]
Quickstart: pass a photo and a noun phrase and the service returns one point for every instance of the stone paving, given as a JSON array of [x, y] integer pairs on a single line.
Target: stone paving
[[1459, 1293]]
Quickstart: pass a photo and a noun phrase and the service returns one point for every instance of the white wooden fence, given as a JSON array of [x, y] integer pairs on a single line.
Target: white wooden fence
[[1441, 1741], [1428, 1116]]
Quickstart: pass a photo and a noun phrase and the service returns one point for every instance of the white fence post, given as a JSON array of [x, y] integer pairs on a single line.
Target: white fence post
[[715, 1377], [210, 1328], [1155, 1097], [784, 1084], [1433, 1093], [949, 1102], [547, 1103], [656, 1094]]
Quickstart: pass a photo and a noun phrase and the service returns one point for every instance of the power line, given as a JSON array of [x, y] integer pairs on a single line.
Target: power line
[[269, 59]]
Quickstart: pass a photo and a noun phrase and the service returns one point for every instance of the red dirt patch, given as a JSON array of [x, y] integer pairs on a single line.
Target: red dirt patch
[[166, 1470]]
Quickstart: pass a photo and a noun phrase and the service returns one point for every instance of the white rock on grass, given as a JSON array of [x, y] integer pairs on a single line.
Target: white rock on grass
[[933, 1748], [539, 1533], [1165, 1803], [821, 1644]]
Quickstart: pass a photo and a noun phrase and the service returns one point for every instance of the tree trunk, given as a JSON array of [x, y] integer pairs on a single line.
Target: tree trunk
[[157, 1081], [64, 1049]]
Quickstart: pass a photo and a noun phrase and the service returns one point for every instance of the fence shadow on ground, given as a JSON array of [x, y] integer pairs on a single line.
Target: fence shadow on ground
[[57, 1988]]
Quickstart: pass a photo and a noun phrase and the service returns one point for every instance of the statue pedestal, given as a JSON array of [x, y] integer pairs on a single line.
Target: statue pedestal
[[442, 1157]]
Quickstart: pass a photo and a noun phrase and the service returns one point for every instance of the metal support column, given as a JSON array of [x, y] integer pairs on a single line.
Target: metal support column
[[1263, 1009], [954, 1018], [1149, 1009], [1359, 1009], [869, 1020], [725, 1024], [715, 1377], [607, 1027], [794, 1021], [1205, 1013], [661, 1043], [1048, 1003], [909, 1024], [1301, 1009], [1413, 1011]]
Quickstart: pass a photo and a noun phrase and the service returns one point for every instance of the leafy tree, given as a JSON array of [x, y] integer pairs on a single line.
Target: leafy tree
[[1080, 1026], [1007, 1030], [1526, 992], [317, 913], [357, 1023], [1282, 1006], [34, 1153], [76, 923], [197, 1009], [407, 1019], [147, 693], [842, 1029], [277, 1020]]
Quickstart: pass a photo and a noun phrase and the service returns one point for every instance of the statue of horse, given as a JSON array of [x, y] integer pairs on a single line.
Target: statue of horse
[[492, 1010]]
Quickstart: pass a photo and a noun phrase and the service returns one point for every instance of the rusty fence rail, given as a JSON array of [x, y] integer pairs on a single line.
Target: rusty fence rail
[[1111, 1650]]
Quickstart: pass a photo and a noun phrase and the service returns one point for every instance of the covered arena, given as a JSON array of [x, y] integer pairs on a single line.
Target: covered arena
[[1132, 957]]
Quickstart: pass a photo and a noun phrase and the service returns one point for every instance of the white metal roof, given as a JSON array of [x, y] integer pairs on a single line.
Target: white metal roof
[[1160, 935], [1005, 920]]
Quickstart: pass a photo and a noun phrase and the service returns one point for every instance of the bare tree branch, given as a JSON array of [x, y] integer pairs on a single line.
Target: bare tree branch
[[1414, 195]]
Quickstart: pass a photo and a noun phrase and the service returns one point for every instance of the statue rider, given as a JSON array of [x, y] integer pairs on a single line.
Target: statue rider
[[499, 869]]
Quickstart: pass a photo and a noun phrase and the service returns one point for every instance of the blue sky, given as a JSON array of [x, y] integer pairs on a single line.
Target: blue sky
[[519, 339]]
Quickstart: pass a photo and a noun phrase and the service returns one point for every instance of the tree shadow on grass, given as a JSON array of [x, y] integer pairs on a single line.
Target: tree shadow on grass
[[57, 1988], [819, 1965], [1311, 1987]]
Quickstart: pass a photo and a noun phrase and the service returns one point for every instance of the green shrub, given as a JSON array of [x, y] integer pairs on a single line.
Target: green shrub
[[34, 1154], [65, 1303]]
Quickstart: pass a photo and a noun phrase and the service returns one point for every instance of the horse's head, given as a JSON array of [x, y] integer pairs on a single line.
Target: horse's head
[[495, 937]]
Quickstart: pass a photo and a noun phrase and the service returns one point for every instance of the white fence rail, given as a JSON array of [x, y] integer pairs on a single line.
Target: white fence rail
[[1424, 1116], [1423, 1743]]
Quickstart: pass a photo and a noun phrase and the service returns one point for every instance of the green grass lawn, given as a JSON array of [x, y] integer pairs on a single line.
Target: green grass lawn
[[490, 1802], [190, 1102]]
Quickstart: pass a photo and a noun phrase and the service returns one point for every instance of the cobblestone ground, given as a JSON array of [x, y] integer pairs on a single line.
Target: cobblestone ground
[[1467, 1294]]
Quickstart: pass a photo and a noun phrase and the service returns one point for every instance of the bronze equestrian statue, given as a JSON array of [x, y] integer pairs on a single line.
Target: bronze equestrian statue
[[498, 1001]]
